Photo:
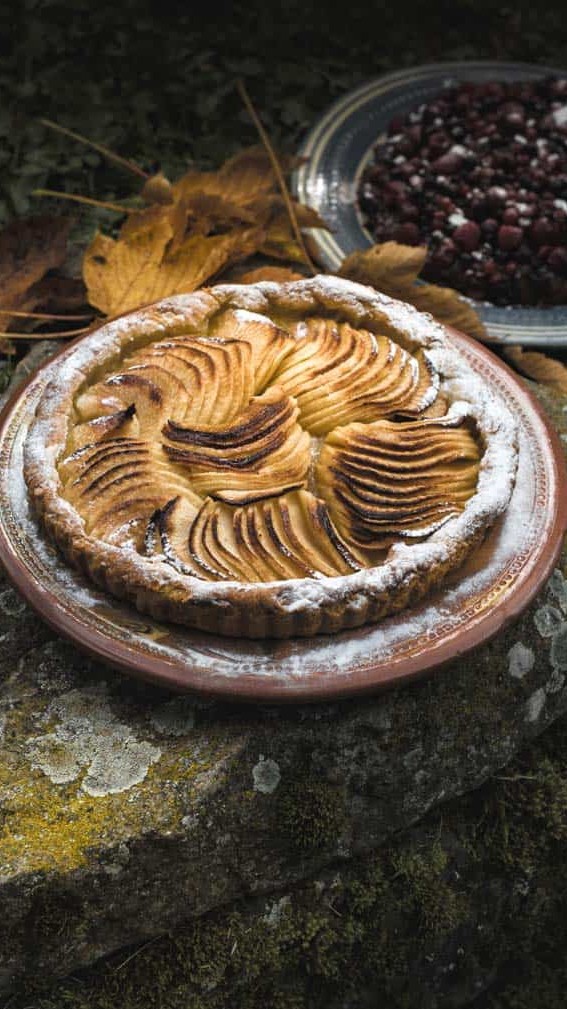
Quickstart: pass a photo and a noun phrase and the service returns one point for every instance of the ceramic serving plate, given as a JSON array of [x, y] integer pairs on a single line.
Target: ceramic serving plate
[[477, 601], [340, 145]]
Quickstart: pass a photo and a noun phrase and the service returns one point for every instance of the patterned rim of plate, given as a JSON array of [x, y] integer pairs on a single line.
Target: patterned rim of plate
[[473, 604], [340, 144]]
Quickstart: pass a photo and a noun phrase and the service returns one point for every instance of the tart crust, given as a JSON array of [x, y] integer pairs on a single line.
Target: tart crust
[[304, 606]]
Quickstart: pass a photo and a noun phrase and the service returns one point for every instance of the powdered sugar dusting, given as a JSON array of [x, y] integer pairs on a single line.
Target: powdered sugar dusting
[[470, 395], [294, 661]]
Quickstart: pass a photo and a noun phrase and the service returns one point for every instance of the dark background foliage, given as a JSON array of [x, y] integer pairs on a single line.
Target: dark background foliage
[[156, 82]]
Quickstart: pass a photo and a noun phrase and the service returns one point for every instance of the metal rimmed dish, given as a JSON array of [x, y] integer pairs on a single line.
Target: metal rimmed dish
[[340, 145]]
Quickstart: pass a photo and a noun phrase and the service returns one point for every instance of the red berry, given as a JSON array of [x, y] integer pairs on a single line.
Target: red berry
[[467, 235], [509, 237], [557, 260], [447, 164], [407, 234], [541, 231], [510, 216]]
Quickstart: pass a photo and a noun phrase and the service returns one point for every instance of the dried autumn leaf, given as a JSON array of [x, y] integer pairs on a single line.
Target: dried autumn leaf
[[394, 269], [280, 241], [241, 179], [208, 212], [194, 229], [388, 264], [448, 307], [141, 265], [60, 294], [279, 274], [545, 370], [29, 248]]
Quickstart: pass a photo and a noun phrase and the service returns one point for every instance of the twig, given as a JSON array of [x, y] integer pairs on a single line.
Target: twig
[[49, 316], [136, 953], [129, 165], [116, 207], [278, 173], [44, 336], [516, 777]]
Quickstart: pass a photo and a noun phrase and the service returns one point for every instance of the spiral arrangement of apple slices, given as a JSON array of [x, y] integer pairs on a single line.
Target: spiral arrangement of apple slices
[[275, 538], [385, 481], [339, 374], [258, 453]]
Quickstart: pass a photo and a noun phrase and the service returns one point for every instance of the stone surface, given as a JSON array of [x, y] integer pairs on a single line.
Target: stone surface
[[124, 810], [467, 907]]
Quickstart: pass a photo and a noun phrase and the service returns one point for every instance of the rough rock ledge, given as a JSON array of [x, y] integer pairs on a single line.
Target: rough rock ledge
[[125, 811]]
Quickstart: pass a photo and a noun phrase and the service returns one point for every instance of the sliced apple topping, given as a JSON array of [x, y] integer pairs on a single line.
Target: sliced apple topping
[[269, 343], [167, 535], [385, 481], [118, 483], [218, 375], [263, 452], [269, 540], [339, 374], [182, 379], [122, 424]]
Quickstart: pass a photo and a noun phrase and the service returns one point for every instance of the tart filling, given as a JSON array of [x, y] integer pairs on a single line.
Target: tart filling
[[256, 460]]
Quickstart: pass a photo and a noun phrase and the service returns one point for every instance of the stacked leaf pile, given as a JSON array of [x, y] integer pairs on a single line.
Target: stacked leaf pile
[[235, 224]]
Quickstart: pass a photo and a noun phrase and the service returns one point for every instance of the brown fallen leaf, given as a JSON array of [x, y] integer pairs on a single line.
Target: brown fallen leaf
[[539, 367], [29, 248], [448, 307], [213, 220], [388, 264], [139, 266], [60, 294], [393, 269], [279, 274], [243, 178], [280, 241]]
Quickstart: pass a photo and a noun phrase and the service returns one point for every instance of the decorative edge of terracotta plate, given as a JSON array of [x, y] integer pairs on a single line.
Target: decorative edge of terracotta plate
[[125, 639]]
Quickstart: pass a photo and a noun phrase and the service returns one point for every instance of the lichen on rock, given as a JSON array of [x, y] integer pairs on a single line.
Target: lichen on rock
[[89, 742]]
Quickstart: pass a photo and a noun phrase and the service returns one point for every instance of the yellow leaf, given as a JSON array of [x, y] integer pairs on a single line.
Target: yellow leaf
[[389, 264], [241, 179], [280, 274], [280, 241], [393, 269], [121, 274], [140, 267], [545, 370], [448, 307], [191, 231]]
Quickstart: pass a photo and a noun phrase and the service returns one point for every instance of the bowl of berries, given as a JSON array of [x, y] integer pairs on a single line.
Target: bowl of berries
[[467, 159]]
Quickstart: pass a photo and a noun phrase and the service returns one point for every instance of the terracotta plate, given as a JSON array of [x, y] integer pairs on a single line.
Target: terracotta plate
[[477, 601], [340, 145]]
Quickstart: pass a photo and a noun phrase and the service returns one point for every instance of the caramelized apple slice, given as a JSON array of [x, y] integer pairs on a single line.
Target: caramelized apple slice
[[269, 540], [167, 535], [385, 481], [122, 424], [155, 393], [339, 374], [183, 379], [120, 482], [269, 343], [218, 375], [263, 451]]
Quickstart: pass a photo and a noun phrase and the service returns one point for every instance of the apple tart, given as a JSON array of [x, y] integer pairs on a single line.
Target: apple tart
[[269, 460]]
